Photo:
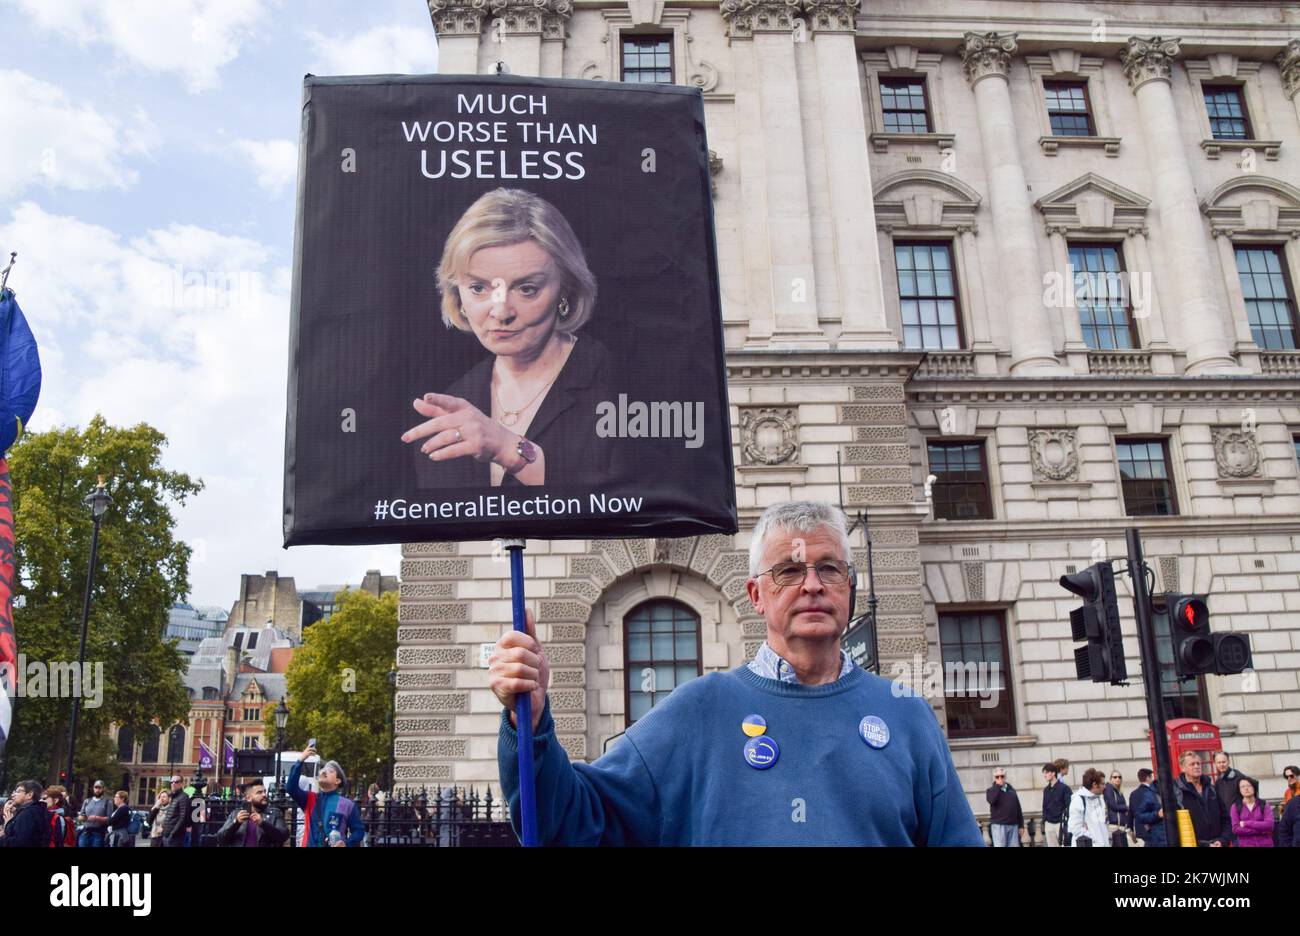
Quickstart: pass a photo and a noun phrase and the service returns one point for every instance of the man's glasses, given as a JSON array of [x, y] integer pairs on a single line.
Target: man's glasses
[[829, 572]]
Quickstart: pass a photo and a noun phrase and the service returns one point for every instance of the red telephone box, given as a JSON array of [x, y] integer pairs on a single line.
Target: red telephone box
[[1190, 734]]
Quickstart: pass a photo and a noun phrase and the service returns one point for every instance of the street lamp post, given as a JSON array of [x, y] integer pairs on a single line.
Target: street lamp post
[[98, 501], [281, 719], [392, 727]]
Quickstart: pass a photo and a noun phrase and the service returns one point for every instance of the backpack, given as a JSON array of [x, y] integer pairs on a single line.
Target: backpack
[[62, 832], [137, 823]]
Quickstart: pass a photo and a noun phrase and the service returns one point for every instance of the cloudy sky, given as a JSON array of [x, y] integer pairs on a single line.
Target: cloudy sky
[[147, 171]]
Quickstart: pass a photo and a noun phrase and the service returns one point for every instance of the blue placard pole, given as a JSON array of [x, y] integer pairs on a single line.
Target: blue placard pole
[[523, 707]]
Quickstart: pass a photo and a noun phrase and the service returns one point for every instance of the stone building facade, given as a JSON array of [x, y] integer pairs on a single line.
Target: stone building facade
[[995, 449]]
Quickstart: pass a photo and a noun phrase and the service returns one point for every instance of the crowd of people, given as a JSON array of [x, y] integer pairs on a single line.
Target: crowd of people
[[1227, 811]]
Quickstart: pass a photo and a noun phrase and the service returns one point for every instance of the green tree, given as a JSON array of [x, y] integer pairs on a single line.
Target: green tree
[[142, 569], [338, 686]]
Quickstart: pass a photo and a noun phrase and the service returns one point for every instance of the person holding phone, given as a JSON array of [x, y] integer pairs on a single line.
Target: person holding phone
[[257, 824], [325, 809]]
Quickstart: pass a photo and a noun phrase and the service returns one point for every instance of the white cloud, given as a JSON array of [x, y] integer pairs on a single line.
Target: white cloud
[[383, 50], [192, 37], [186, 329], [50, 141], [274, 162]]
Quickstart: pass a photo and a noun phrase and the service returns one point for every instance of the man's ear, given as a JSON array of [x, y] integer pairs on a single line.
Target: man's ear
[[755, 594]]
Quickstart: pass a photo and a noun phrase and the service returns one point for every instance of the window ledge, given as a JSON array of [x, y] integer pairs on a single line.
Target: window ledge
[[881, 141], [1212, 147], [1062, 490], [1050, 144], [1008, 741], [1246, 486]]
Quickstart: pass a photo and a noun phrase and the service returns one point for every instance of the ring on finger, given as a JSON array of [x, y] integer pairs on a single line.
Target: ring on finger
[[459, 437]]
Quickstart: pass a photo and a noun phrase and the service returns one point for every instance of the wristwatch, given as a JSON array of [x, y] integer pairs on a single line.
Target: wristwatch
[[527, 451]]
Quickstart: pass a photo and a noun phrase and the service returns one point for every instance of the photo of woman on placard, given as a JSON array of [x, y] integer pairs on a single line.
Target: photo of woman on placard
[[514, 275]]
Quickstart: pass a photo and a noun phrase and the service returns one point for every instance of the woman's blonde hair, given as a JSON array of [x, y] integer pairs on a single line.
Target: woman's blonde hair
[[503, 217]]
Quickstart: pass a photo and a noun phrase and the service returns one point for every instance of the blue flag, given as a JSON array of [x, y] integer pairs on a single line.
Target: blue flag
[[20, 371]]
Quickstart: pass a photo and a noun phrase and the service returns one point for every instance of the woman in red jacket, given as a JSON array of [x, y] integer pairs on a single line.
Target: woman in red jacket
[[1252, 821]]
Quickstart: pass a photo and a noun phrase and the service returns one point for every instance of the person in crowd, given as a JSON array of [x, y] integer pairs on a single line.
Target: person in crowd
[[329, 819], [26, 823], [1196, 794], [715, 761], [1117, 815], [93, 818], [1252, 819], [119, 822], [257, 824], [1292, 777], [63, 831], [1147, 811], [178, 818], [1006, 819], [1056, 803], [1288, 827], [156, 814], [1087, 822]]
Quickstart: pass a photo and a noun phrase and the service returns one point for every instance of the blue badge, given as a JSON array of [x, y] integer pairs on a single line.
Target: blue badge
[[754, 725], [761, 753], [874, 731]]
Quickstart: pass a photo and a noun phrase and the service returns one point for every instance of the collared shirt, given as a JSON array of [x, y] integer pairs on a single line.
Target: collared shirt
[[768, 664]]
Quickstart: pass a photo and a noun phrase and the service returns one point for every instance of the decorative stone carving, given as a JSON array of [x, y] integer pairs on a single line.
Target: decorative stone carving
[[833, 15], [532, 16], [458, 17], [715, 166], [592, 71], [1054, 454], [745, 17], [1237, 453], [1148, 59], [973, 573], [704, 76], [768, 435], [1288, 63], [984, 54]]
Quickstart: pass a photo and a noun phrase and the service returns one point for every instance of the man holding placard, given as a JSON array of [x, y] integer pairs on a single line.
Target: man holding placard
[[798, 747]]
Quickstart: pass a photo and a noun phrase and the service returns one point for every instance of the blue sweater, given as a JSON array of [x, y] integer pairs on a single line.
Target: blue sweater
[[678, 776]]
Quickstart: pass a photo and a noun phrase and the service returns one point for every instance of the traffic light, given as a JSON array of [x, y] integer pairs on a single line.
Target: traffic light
[[1097, 622], [1197, 650]]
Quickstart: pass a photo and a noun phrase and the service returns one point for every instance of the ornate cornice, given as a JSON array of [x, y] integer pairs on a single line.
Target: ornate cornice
[[832, 15], [458, 17], [746, 17], [1148, 59], [545, 17], [985, 54], [1288, 63]]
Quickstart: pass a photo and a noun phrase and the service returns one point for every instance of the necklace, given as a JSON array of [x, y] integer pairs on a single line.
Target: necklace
[[510, 417]]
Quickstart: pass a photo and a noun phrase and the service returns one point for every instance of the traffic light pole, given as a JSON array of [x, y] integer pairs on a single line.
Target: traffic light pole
[[1151, 682]]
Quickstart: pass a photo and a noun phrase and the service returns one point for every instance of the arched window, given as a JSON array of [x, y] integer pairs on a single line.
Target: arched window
[[125, 744], [176, 744], [149, 748], [661, 646], [209, 694]]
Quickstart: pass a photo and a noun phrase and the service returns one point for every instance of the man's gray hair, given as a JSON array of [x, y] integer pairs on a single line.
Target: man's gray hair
[[338, 771], [797, 517]]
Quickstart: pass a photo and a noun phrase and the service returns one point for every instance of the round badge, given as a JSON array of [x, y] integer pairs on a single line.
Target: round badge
[[874, 731], [761, 753], [753, 725]]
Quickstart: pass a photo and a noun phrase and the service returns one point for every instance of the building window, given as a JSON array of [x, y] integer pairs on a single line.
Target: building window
[[1227, 111], [1146, 478], [1101, 293], [927, 296], [961, 487], [252, 640], [250, 714], [176, 744], [1182, 698], [149, 749], [239, 640], [1270, 303], [125, 744], [975, 660], [661, 641], [903, 104], [1067, 108], [648, 59]]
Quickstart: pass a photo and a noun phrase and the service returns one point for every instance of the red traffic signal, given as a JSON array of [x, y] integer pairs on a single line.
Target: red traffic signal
[[1198, 651]]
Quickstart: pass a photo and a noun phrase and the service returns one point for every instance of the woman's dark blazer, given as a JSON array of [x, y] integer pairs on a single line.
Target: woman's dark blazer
[[564, 426]]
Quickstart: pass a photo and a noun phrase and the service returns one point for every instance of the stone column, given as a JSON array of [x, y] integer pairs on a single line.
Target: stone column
[[762, 31], [1076, 350], [554, 34], [1152, 320], [1148, 64], [987, 60], [1244, 344], [1288, 63], [515, 34], [458, 25], [857, 262], [986, 362]]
